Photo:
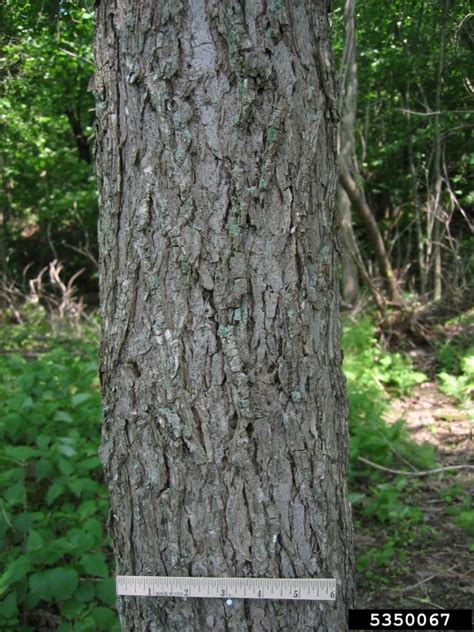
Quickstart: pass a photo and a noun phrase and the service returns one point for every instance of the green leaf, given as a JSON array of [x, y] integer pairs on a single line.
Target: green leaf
[[43, 441], [81, 541], [66, 467], [44, 469], [62, 415], [105, 618], [15, 495], [20, 452], [27, 403], [22, 522], [106, 591], [94, 527], [85, 592], [86, 625], [80, 398], [466, 521], [34, 541], [87, 508], [8, 607], [12, 422], [67, 450], [91, 463], [54, 492], [356, 498], [63, 582], [72, 608], [94, 564], [40, 586], [77, 486], [15, 571]]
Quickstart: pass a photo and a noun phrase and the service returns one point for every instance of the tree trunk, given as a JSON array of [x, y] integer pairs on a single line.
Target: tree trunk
[[347, 156], [349, 270], [224, 424], [438, 181], [357, 197]]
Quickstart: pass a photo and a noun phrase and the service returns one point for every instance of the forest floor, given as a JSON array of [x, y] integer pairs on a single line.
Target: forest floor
[[435, 571]]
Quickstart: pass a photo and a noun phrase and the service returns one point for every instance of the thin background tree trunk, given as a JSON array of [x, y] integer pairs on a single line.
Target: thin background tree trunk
[[351, 194], [348, 109], [437, 177], [224, 424]]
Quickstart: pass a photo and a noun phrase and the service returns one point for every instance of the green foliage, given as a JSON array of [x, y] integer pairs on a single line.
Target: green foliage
[[455, 358], [48, 194], [53, 549], [459, 505], [460, 386], [398, 60], [373, 377]]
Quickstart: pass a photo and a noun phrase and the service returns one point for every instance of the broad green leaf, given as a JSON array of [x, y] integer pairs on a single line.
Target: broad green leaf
[[22, 522], [44, 469], [81, 541], [86, 625], [54, 492], [62, 415], [85, 592], [8, 607], [91, 463], [40, 586], [94, 527], [66, 467], [94, 564], [87, 508], [43, 441], [80, 398], [106, 591], [105, 618], [34, 541], [15, 495], [27, 403], [20, 452], [67, 450], [63, 582], [15, 571], [72, 608]]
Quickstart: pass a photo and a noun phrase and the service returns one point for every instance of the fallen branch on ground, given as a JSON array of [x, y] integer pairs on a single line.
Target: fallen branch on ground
[[422, 473]]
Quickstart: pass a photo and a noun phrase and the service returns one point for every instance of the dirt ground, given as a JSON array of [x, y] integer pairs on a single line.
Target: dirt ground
[[438, 571]]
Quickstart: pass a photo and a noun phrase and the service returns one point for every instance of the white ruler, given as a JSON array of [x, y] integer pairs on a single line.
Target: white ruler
[[227, 587]]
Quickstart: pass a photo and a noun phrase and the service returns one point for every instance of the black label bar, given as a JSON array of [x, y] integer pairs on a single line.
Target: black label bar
[[410, 620]]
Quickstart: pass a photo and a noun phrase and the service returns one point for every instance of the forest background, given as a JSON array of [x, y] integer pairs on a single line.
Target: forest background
[[406, 204]]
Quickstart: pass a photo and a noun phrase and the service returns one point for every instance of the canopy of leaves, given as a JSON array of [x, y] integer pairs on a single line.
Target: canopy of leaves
[[47, 197]]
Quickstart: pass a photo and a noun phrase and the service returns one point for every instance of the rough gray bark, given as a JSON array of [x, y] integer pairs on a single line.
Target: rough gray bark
[[224, 424]]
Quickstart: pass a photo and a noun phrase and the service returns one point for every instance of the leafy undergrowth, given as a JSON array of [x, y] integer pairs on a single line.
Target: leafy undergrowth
[[412, 534], [56, 558], [373, 377], [53, 548], [455, 359]]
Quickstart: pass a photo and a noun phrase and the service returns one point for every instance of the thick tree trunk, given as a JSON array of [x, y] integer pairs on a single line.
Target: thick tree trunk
[[224, 425]]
